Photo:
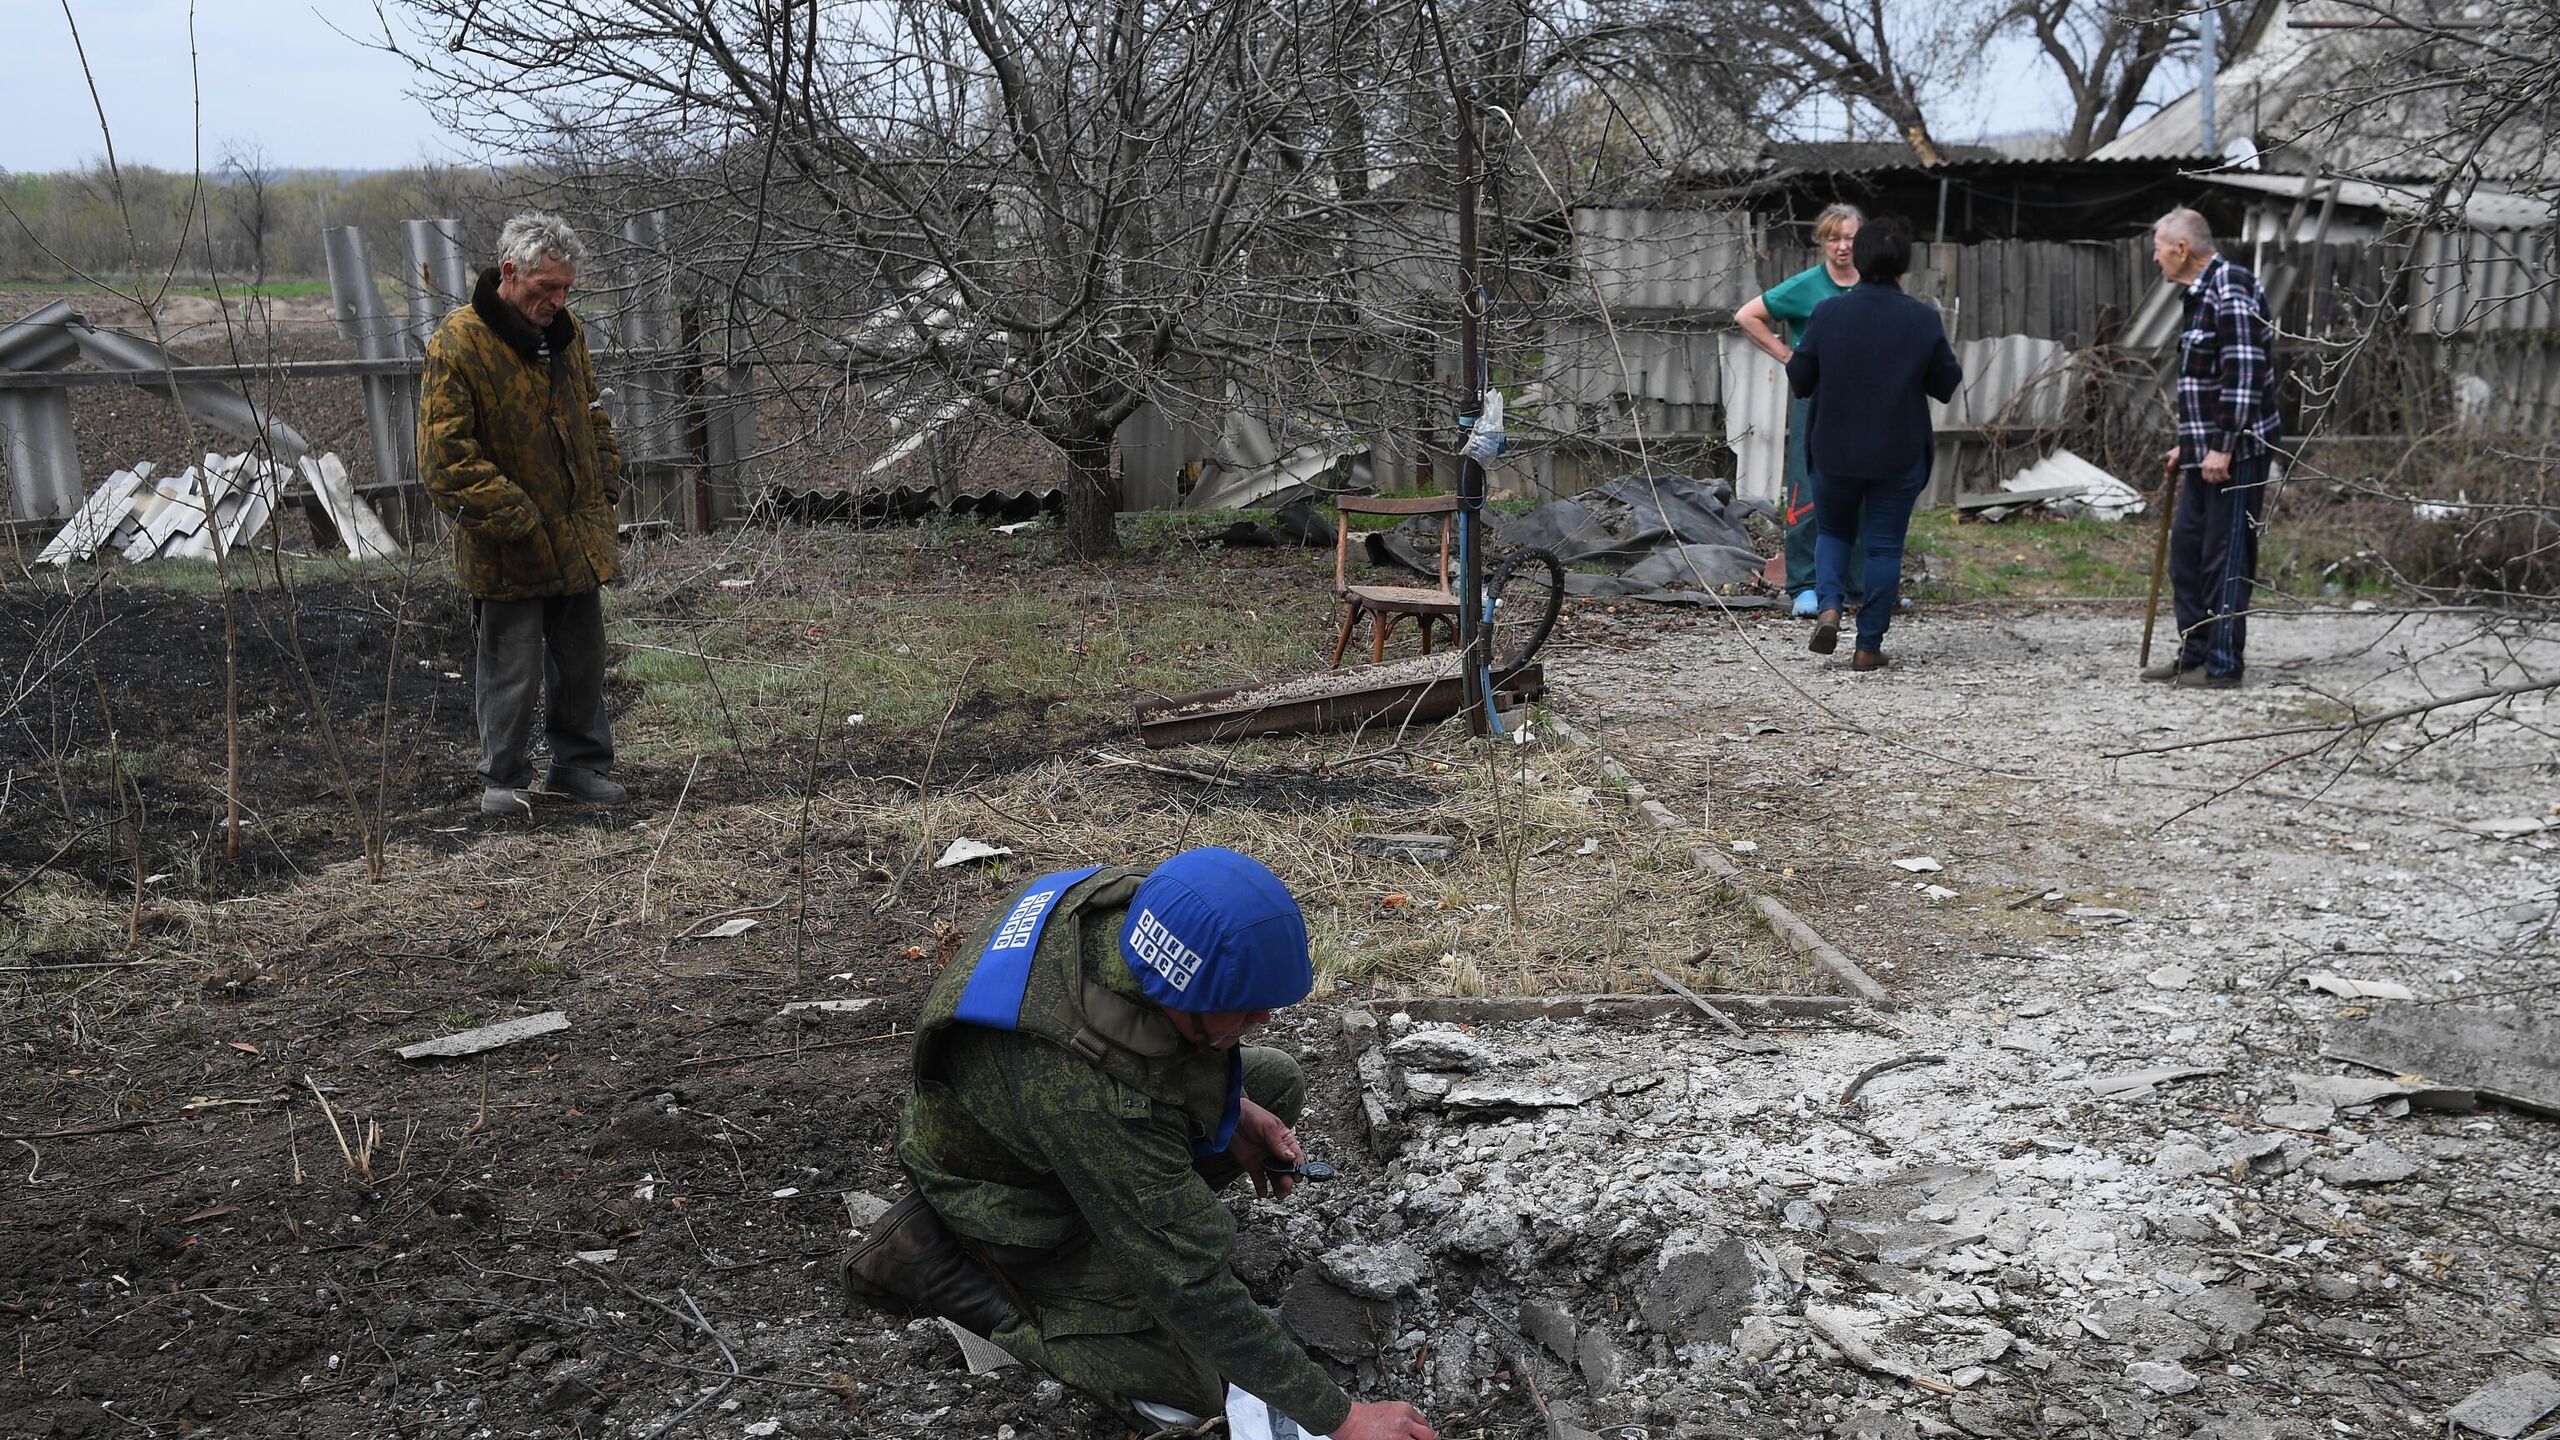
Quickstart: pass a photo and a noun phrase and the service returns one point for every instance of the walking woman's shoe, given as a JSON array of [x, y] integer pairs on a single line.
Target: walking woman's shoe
[[1826, 633], [1867, 660]]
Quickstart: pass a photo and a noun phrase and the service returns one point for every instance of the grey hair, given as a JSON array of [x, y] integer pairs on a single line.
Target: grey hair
[[1828, 223], [530, 238], [2187, 228]]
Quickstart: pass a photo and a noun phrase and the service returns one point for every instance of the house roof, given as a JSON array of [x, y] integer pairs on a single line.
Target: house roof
[[2323, 84], [2481, 209]]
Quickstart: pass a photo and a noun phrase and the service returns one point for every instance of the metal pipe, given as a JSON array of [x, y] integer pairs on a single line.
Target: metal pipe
[[1473, 637], [2208, 44]]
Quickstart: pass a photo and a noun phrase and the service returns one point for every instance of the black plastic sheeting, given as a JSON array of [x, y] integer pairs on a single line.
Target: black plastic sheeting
[[1655, 531]]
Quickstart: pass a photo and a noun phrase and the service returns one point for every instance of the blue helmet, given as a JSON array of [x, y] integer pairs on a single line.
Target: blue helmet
[[1212, 930]]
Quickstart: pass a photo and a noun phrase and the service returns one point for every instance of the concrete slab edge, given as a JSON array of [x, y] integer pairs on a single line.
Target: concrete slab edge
[[1789, 927]]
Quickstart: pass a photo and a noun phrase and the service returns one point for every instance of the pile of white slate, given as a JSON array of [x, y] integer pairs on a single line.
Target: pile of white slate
[[227, 501]]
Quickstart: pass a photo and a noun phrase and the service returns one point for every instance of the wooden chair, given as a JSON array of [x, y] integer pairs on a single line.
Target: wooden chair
[[1384, 604]]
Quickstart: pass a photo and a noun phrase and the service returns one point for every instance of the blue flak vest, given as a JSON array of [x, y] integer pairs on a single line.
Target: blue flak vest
[[1001, 977]]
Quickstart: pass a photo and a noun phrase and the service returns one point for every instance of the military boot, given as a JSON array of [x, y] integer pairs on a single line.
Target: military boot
[[909, 1263]]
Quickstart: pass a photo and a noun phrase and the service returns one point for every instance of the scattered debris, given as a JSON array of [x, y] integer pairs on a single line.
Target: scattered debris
[[2350, 1092], [1436, 1048], [1421, 849], [1109, 761], [2372, 1164], [2167, 1377], [1882, 1067], [2507, 1055], [486, 1037], [2171, 977], [727, 929], [983, 1356], [2509, 1407], [1920, 865], [2103, 914], [358, 527], [823, 1009], [1735, 1035], [964, 851], [2071, 486], [2141, 1082], [144, 519], [2351, 989], [1380, 1272]]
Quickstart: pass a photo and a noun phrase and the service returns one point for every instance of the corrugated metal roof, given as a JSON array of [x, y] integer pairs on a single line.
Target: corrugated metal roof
[[1666, 259], [2482, 209], [2251, 89]]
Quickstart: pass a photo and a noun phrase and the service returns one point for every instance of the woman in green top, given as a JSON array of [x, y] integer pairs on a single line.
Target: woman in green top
[[1792, 300]]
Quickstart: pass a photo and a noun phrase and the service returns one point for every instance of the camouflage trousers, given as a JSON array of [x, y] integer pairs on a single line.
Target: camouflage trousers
[[1087, 1328]]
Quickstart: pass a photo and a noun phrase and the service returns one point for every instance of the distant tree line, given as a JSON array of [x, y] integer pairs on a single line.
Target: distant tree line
[[239, 223]]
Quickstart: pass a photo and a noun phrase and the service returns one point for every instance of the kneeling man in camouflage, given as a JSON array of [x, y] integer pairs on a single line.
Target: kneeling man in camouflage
[[1080, 1097]]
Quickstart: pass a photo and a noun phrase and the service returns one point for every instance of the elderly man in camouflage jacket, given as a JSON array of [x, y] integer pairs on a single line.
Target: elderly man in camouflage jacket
[[515, 446], [1080, 1097]]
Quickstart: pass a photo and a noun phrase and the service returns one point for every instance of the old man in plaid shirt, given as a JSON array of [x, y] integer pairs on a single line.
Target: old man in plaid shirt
[[2226, 443]]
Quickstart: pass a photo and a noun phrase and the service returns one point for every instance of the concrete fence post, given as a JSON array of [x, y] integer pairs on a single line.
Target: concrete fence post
[[390, 401], [35, 425]]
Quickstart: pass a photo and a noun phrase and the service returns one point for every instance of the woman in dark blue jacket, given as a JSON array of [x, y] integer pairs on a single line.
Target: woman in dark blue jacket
[[1871, 359]]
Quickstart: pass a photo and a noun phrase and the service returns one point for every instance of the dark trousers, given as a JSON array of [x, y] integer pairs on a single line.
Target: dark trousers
[[549, 649], [2213, 563], [1799, 509], [1088, 1328], [1875, 515]]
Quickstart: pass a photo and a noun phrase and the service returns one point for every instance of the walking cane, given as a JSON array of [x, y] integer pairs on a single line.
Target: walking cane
[[2159, 552]]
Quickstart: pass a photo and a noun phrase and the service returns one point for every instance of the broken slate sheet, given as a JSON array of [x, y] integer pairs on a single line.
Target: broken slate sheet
[[487, 1037], [2509, 1055], [2509, 1407]]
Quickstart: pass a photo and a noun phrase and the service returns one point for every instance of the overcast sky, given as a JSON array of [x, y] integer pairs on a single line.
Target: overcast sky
[[275, 74], [293, 81]]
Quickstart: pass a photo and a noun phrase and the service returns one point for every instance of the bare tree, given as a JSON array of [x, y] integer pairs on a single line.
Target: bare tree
[[2105, 53], [1055, 212]]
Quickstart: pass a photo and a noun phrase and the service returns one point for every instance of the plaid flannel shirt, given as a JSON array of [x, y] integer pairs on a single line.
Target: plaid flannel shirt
[[2226, 367]]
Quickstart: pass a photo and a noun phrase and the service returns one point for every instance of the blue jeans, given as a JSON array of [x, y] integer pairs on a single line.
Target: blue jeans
[[1797, 505], [1849, 510]]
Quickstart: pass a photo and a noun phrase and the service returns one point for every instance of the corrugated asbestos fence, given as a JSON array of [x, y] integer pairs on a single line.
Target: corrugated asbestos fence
[[2476, 341]]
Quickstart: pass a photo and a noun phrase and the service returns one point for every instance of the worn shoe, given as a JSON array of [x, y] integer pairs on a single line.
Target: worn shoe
[[506, 802], [2202, 679], [1806, 604], [908, 1263], [1826, 633], [1867, 660], [2165, 672], [584, 785]]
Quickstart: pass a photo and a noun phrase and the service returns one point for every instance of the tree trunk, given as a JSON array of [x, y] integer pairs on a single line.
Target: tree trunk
[[1093, 498]]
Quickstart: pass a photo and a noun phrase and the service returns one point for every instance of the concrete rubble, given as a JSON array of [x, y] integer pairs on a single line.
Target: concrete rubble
[[2014, 1242]]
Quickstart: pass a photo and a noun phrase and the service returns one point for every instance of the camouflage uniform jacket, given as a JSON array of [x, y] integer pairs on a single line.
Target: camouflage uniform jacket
[[1083, 1120], [515, 446]]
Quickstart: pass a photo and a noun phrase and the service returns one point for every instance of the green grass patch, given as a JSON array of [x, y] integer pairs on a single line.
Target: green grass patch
[[906, 627], [2025, 557]]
